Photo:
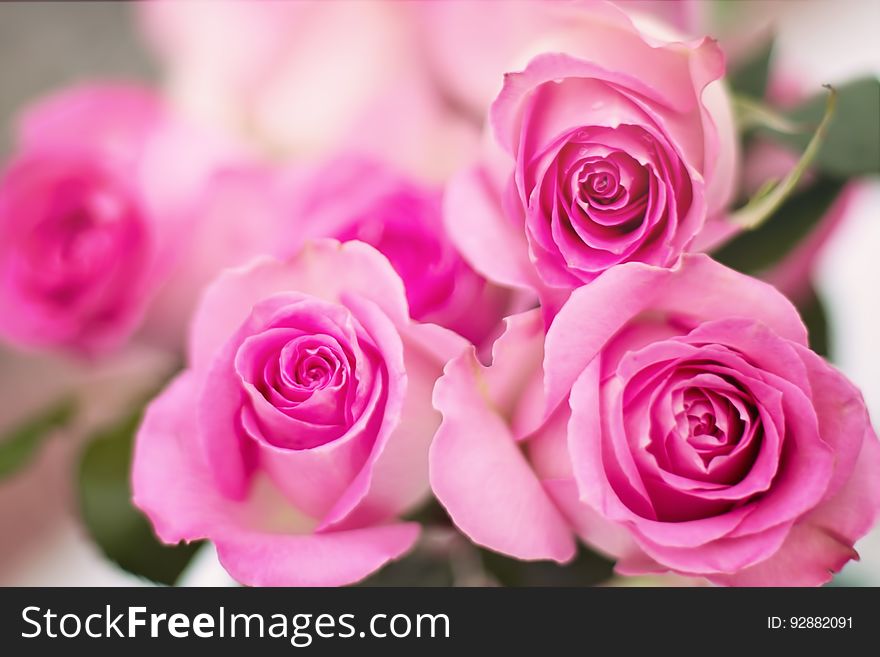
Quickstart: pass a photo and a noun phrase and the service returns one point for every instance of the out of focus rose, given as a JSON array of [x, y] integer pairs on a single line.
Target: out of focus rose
[[612, 146], [353, 198], [673, 418], [300, 78], [298, 434], [92, 206], [258, 209]]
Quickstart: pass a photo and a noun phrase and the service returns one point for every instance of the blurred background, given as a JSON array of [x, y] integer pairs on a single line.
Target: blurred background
[[44, 46]]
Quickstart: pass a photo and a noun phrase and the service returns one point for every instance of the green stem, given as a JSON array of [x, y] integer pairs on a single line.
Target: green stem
[[765, 203]]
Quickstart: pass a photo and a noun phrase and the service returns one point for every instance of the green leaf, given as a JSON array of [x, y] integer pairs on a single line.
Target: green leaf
[[852, 146], [20, 444], [119, 529], [750, 77], [586, 569], [754, 251]]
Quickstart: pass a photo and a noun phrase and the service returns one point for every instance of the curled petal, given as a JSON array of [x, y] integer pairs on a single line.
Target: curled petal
[[482, 478], [699, 289]]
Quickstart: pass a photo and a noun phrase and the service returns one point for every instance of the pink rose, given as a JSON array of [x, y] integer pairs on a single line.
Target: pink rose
[[352, 197], [87, 224], [680, 423], [612, 146], [298, 434]]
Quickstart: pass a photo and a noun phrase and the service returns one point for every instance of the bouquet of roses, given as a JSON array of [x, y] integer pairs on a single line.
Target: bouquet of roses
[[463, 285]]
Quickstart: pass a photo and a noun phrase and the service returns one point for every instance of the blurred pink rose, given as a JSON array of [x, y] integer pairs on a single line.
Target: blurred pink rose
[[681, 424], [352, 198], [91, 209], [612, 146], [299, 432], [300, 78]]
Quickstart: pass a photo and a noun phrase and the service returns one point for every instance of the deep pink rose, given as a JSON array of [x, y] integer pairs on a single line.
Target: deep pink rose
[[673, 418], [352, 197], [298, 434], [612, 146], [91, 207]]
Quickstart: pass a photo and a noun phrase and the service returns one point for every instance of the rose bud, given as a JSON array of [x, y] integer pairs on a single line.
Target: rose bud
[[298, 434], [672, 418]]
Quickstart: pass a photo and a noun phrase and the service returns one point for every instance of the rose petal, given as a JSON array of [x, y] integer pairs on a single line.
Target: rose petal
[[610, 538], [698, 289], [323, 268], [822, 543], [328, 559], [398, 475], [173, 486], [474, 218], [479, 474]]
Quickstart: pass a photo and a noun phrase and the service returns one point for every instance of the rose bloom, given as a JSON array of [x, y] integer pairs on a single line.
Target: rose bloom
[[611, 146], [674, 419], [298, 434], [91, 205], [352, 197]]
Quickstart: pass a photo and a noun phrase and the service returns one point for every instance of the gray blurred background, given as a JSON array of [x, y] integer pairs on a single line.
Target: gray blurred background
[[44, 45]]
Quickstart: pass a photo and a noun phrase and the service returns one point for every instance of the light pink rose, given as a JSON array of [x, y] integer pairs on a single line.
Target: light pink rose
[[612, 146], [673, 418], [92, 207], [351, 197], [301, 78], [298, 434]]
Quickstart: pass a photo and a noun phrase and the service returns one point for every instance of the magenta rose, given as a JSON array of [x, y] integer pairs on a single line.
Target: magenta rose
[[611, 146], [352, 197], [92, 209], [298, 434], [674, 419]]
